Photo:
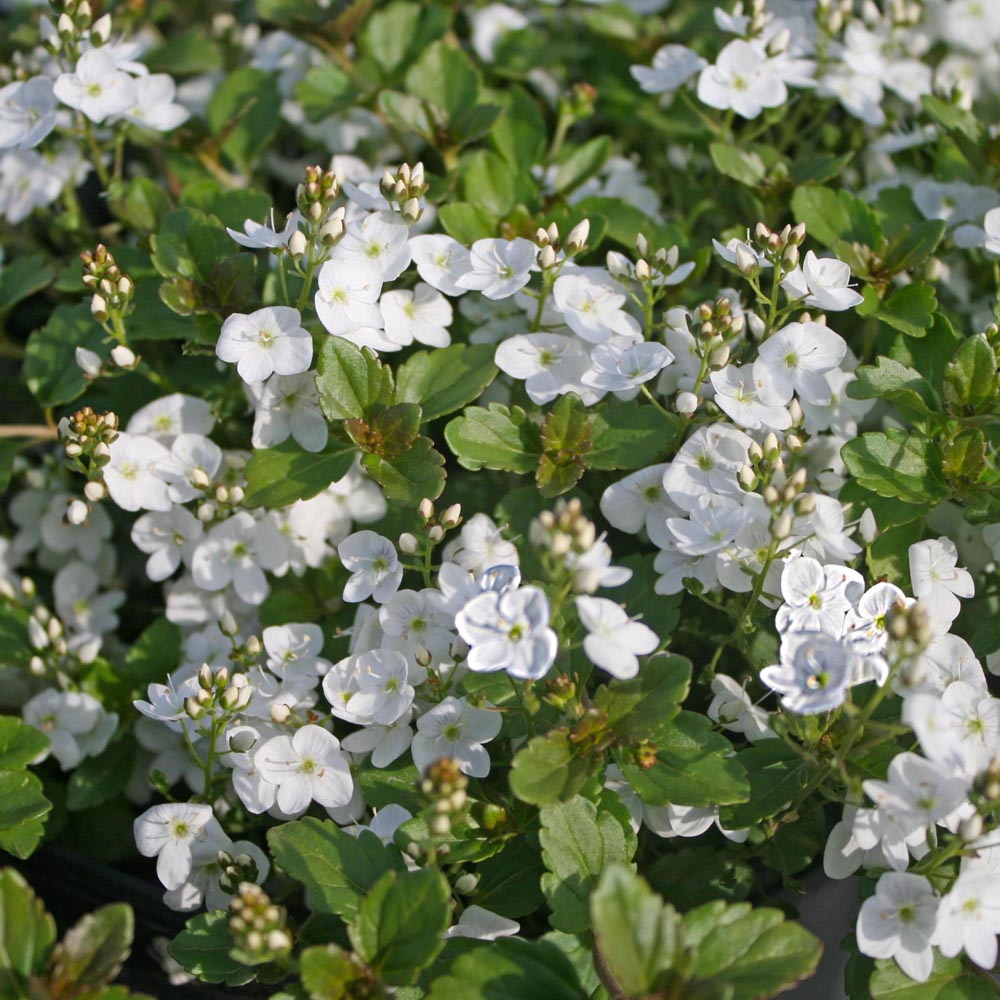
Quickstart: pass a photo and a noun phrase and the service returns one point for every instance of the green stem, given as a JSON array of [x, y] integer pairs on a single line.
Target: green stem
[[307, 280], [96, 153], [645, 391]]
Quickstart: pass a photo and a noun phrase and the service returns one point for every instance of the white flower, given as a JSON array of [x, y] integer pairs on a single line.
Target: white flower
[[166, 537], [422, 315], [498, 268], [372, 561], [80, 605], [289, 405], [673, 66], [969, 918], [170, 833], [708, 462], [154, 105], [97, 87], [454, 729], [131, 474], [440, 261], [992, 226], [380, 238], [637, 500], [796, 359], [480, 545], [742, 79], [203, 882], [490, 24], [616, 368], [592, 306], [814, 673], [384, 823], [550, 365], [823, 283], [482, 925], [416, 623], [614, 640], [266, 235], [741, 395], [306, 767], [75, 723], [265, 341], [509, 631], [898, 922], [735, 250], [347, 295], [171, 415], [732, 709], [27, 113], [866, 627], [166, 701], [194, 461], [385, 743], [817, 597], [917, 793], [713, 524], [384, 690], [295, 648], [238, 551], [937, 580]]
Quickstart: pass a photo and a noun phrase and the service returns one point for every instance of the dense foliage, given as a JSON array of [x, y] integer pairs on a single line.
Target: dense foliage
[[509, 491]]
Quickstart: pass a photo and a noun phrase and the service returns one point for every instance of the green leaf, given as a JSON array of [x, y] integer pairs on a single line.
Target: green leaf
[[909, 309], [409, 478], [949, 980], [897, 464], [189, 244], [338, 869], [396, 34], [582, 164], [203, 949], [691, 767], [565, 438], [351, 380], [952, 117], [509, 881], [20, 744], [140, 202], [691, 876], [246, 109], [638, 708], [494, 438], [964, 459], [327, 972], [509, 969], [445, 379], [578, 843], [776, 777], [398, 927], [100, 778], [93, 951], [325, 90], [895, 383], [744, 953], [446, 77], [27, 934], [741, 165], [549, 769], [50, 368], [23, 277], [488, 181], [628, 436], [277, 477], [835, 215], [22, 807], [819, 168], [473, 123], [636, 937], [970, 378], [520, 135], [154, 654], [912, 245], [231, 207], [467, 223]]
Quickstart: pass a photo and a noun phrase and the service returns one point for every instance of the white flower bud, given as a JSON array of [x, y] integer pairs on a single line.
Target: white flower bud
[[686, 403], [541, 237], [412, 210], [586, 580], [436, 533], [746, 262], [719, 357], [755, 325], [102, 453], [280, 713], [199, 478], [88, 362], [99, 308], [466, 883], [754, 452], [227, 624], [748, 478], [426, 509], [577, 238], [222, 494], [332, 230], [206, 512], [971, 829], [253, 646], [73, 450], [618, 264], [641, 245], [77, 512], [452, 516], [547, 258], [553, 233], [65, 25], [867, 528], [298, 244], [37, 666], [673, 256], [642, 269], [123, 356], [236, 494], [782, 528], [241, 742], [408, 543], [101, 29]]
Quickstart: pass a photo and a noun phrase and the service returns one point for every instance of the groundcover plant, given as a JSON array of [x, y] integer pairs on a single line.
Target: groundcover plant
[[500, 499]]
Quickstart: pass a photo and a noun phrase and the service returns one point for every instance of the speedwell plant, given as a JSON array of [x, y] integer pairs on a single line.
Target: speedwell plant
[[501, 500]]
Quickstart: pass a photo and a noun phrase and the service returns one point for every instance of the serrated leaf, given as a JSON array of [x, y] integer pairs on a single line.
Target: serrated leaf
[[578, 843], [692, 767], [494, 438], [970, 378], [245, 109], [897, 464], [741, 165], [277, 477], [22, 807], [93, 951], [20, 744], [50, 368], [409, 478], [203, 949], [100, 778], [21, 278], [949, 980], [446, 77], [628, 436], [636, 709], [446, 379], [549, 769], [189, 244], [467, 223], [775, 773], [909, 309], [581, 164], [889, 380], [27, 933], [350, 380], [338, 869], [398, 927], [509, 881], [913, 244], [327, 972]]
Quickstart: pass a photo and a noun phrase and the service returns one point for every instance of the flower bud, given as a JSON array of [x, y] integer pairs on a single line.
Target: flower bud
[[754, 452], [805, 505], [466, 883], [577, 238], [781, 528], [88, 361], [227, 624], [547, 258], [242, 741], [719, 357], [770, 446], [193, 708], [426, 509], [100, 30], [586, 580], [298, 244], [236, 494], [412, 210], [971, 828], [95, 491], [435, 533], [541, 237], [332, 230], [452, 516], [65, 25], [206, 512], [748, 478], [77, 512], [746, 262], [771, 496], [222, 494], [123, 357], [253, 646], [408, 543], [686, 403], [641, 245], [73, 450], [280, 713], [617, 264], [642, 269], [99, 308]]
